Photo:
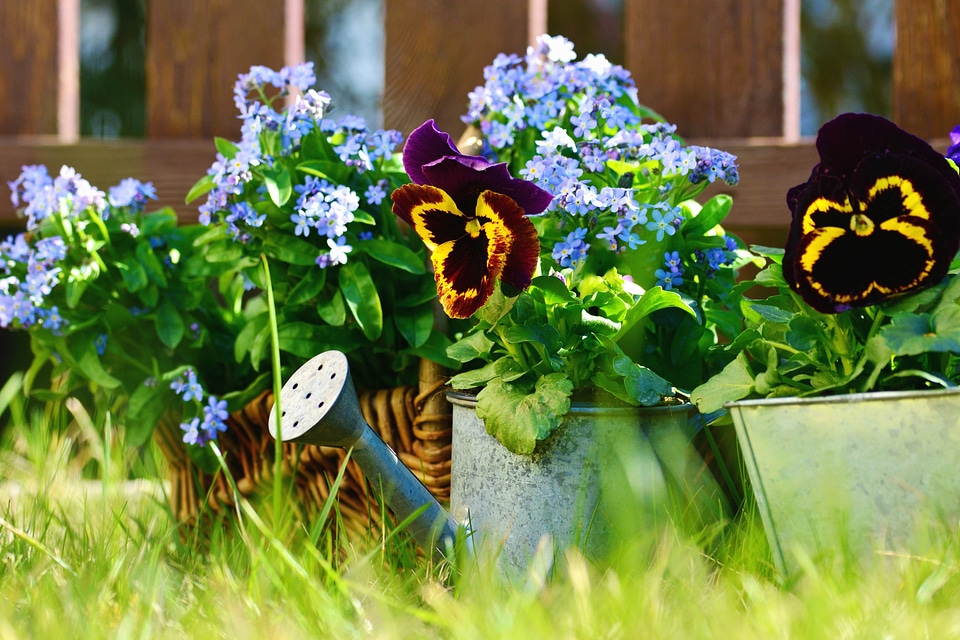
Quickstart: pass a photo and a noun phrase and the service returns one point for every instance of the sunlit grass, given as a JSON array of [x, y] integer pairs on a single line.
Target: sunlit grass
[[101, 557]]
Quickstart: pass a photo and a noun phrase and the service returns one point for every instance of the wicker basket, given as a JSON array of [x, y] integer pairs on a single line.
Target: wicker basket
[[414, 422]]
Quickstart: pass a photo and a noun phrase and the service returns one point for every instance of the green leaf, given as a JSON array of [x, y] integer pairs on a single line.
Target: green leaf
[[151, 264], [496, 306], [332, 310], [308, 287], [771, 313], [159, 221], [913, 334], [642, 385], [290, 249], [518, 419], [134, 277], [472, 346], [712, 214], [771, 276], [734, 382], [332, 170], [90, 366], [535, 332], [435, 350], [508, 369], [169, 325], [653, 300], [474, 378], [279, 185], [415, 325], [203, 186], [227, 148], [804, 333], [394, 255], [146, 405], [362, 298], [243, 345]]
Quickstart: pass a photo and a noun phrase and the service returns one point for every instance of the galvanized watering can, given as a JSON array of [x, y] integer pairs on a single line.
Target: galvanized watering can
[[319, 406]]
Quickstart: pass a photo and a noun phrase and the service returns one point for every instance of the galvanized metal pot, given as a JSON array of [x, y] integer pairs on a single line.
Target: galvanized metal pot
[[866, 471], [603, 474]]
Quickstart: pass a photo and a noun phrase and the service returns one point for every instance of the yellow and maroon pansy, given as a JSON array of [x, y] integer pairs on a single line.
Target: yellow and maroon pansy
[[472, 215], [879, 216]]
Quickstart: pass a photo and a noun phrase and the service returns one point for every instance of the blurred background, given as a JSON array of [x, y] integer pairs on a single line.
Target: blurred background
[[847, 48], [846, 65]]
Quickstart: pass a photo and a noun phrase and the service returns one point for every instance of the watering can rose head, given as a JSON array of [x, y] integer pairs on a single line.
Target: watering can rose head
[[879, 216], [472, 215]]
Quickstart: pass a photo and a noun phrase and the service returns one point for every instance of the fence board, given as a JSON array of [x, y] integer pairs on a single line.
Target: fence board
[[29, 67], [172, 165], [195, 51], [926, 66], [712, 68], [436, 51]]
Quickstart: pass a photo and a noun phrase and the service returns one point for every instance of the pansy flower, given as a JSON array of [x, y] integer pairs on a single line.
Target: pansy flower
[[472, 215], [879, 216]]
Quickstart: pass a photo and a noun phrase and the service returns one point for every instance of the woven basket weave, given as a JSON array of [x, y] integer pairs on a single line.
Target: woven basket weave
[[414, 422]]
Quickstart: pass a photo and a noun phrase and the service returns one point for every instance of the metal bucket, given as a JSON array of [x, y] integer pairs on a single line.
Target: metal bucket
[[860, 472], [590, 484]]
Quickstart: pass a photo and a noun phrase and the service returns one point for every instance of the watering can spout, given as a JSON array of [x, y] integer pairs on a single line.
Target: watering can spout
[[319, 406]]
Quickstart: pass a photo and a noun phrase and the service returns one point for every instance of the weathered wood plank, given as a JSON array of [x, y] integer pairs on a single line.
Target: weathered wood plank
[[926, 65], [172, 165], [195, 50], [29, 67], [767, 170], [435, 51], [713, 68]]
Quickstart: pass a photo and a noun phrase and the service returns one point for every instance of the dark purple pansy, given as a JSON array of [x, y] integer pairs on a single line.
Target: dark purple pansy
[[879, 216], [472, 215]]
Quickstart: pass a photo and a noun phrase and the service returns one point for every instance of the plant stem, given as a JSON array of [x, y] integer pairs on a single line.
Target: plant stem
[[277, 386]]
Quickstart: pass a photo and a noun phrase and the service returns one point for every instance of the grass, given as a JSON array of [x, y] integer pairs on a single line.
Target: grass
[[87, 554]]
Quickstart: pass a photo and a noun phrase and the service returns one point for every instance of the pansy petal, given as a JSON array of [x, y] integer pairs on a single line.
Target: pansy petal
[[893, 227], [424, 145], [430, 212], [510, 231], [466, 271], [464, 178]]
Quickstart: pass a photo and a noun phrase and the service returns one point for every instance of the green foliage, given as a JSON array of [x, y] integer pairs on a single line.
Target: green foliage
[[787, 348]]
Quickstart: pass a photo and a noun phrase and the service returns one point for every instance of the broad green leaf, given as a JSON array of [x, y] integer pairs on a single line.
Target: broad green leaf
[[474, 378], [226, 148], [362, 217], [518, 419], [642, 385], [394, 255], [711, 214], [203, 186], [362, 298], [435, 350], [149, 296], [308, 286], [332, 170], [279, 185], [332, 310], [472, 346], [416, 325], [290, 249], [535, 332], [134, 277], [90, 366], [151, 264], [804, 333], [598, 324], [496, 306], [653, 300], [159, 221], [913, 334], [169, 325], [244, 342], [77, 280], [146, 405], [771, 313], [508, 369], [734, 382]]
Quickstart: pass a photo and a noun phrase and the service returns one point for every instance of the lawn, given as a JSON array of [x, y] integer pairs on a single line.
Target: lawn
[[90, 550]]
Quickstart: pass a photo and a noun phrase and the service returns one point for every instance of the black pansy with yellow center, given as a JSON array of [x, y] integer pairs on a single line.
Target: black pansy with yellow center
[[879, 216], [867, 294], [471, 214]]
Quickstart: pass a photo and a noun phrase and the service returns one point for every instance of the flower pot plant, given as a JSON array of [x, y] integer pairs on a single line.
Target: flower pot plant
[[593, 277], [861, 307]]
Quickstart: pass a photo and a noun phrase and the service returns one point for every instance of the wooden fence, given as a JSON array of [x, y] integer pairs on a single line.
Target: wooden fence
[[726, 71]]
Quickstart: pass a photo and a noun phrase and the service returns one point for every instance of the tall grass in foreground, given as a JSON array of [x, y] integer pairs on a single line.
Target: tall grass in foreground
[[103, 562]]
